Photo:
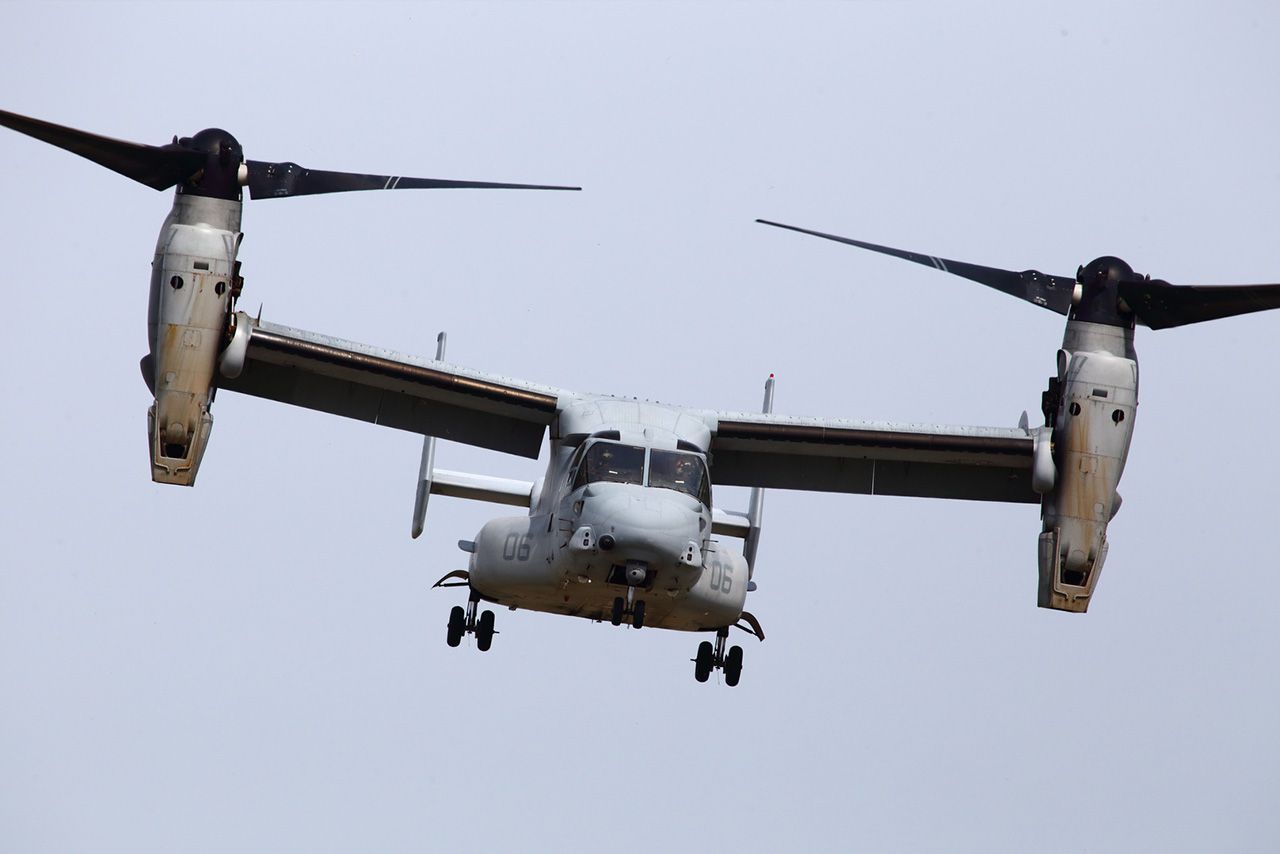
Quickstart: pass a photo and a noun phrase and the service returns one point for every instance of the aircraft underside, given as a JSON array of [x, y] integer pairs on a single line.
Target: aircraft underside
[[691, 610]]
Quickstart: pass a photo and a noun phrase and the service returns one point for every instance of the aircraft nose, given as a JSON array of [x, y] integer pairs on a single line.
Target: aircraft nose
[[633, 525]]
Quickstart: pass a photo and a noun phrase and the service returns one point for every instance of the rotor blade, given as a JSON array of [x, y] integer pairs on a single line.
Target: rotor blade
[[1051, 292], [158, 168], [1160, 305], [276, 180]]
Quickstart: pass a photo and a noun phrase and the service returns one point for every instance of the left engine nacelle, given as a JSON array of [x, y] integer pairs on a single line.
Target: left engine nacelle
[[193, 284], [1091, 407]]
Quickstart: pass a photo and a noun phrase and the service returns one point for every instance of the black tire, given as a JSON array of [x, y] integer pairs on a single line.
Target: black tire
[[637, 615], [484, 631], [616, 616], [702, 664], [457, 625], [733, 666]]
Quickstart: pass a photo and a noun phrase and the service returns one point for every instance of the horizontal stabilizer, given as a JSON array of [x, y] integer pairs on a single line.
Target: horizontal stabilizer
[[479, 487], [727, 523]]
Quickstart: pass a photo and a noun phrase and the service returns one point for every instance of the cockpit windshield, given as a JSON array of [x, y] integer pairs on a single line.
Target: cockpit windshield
[[680, 471], [614, 462], [611, 462]]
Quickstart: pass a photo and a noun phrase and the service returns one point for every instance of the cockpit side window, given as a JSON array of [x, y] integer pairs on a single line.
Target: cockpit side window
[[611, 462], [575, 463], [682, 472]]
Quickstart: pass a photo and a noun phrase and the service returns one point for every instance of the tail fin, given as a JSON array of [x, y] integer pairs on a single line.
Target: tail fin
[[428, 464], [755, 509]]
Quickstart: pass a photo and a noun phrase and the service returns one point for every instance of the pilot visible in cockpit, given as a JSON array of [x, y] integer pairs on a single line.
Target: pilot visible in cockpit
[[672, 471], [618, 463]]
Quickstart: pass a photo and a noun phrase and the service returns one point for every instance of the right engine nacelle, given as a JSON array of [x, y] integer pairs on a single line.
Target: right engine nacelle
[[1091, 406], [193, 285]]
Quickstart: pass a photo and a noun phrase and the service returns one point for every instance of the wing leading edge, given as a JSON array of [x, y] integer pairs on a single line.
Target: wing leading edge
[[872, 458], [395, 390]]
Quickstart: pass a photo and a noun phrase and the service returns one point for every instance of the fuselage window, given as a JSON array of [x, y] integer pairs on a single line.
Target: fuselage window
[[683, 472], [611, 462]]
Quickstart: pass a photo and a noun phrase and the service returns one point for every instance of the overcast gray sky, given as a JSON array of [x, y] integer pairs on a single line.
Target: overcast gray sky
[[259, 664]]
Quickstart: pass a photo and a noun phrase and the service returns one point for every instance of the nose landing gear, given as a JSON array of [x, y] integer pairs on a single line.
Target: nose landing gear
[[464, 622], [714, 658], [636, 575], [627, 606]]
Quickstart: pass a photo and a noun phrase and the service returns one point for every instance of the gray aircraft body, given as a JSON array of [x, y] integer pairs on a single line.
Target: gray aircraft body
[[623, 526]]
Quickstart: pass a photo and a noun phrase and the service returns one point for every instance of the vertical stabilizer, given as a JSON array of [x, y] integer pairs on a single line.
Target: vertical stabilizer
[[755, 510], [426, 469]]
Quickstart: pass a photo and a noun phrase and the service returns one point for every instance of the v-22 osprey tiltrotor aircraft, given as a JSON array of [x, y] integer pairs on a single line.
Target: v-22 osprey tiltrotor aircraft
[[623, 527]]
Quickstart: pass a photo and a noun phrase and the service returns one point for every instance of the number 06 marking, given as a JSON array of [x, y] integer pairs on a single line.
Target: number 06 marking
[[721, 577], [516, 547]]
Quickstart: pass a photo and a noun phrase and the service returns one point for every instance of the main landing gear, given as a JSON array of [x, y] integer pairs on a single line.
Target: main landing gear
[[714, 658], [464, 622]]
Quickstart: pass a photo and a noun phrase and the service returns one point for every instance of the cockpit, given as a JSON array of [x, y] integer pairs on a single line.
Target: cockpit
[[617, 462]]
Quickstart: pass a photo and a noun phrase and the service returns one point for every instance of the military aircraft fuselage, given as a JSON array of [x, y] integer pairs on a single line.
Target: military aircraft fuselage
[[624, 511]]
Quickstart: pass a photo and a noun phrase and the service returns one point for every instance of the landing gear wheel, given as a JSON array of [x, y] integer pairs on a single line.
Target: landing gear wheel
[[616, 616], [703, 663], [637, 615], [457, 626], [484, 632], [733, 666], [714, 658]]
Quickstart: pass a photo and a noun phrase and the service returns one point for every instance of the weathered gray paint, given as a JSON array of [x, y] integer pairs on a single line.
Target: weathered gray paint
[[1099, 373], [553, 558], [191, 298]]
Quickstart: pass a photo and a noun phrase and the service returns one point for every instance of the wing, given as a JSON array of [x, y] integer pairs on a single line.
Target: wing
[[747, 449], [871, 458], [376, 385]]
